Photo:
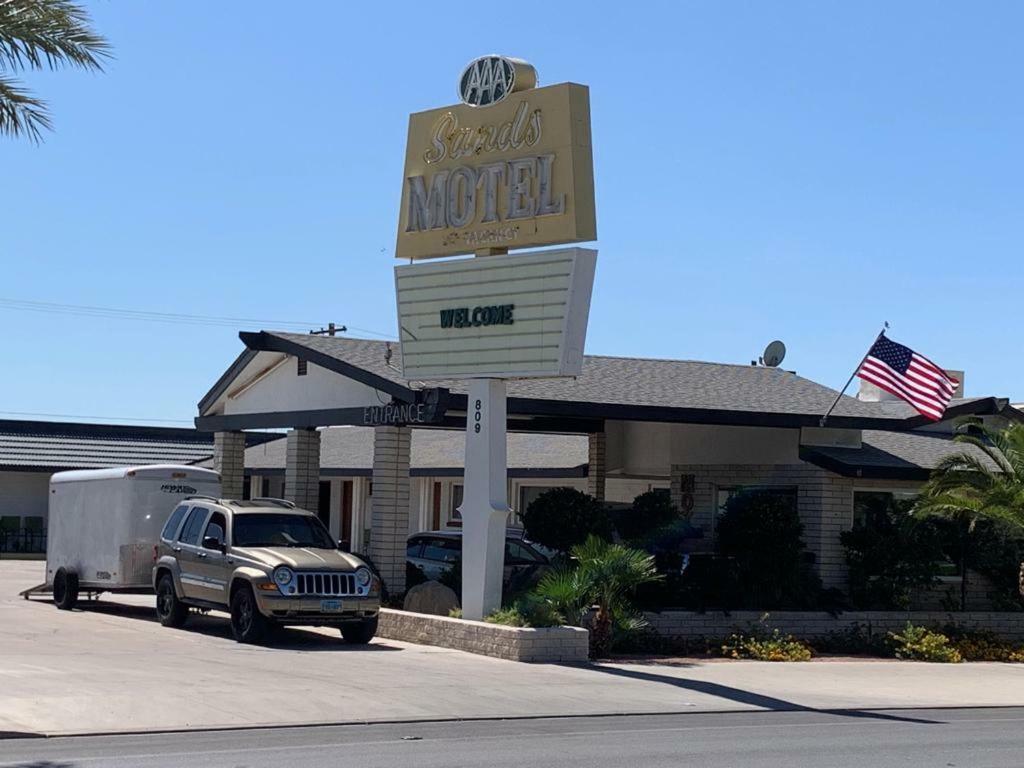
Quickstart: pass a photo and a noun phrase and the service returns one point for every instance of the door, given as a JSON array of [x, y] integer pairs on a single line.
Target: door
[[323, 503], [186, 550], [346, 515], [211, 567], [435, 520]]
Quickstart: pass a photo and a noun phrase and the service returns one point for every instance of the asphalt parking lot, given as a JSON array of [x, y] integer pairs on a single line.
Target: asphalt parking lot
[[110, 667]]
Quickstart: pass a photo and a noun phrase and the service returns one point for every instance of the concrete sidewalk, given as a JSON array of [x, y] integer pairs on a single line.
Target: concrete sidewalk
[[112, 668]]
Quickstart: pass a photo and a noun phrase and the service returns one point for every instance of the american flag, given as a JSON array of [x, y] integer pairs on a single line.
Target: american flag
[[912, 377]]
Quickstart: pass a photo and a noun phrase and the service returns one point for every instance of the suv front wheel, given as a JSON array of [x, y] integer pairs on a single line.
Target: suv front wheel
[[359, 632], [248, 625]]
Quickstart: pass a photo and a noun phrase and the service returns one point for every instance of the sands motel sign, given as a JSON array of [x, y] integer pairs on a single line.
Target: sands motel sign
[[508, 168]]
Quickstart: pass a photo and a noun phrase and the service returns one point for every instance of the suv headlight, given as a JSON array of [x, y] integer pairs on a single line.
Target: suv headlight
[[363, 577], [283, 576]]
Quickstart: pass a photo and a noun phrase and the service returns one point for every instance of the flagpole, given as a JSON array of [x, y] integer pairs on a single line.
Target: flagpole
[[885, 327]]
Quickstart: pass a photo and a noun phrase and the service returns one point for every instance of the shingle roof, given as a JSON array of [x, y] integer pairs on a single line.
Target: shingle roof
[[712, 392], [349, 450], [52, 446], [895, 455]]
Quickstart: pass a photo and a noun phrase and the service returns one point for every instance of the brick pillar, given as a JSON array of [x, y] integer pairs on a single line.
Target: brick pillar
[[597, 468], [390, 509], [229, 460], [302, 468]]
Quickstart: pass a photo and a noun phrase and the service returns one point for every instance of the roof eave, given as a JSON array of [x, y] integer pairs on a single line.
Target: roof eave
[[865, 472]]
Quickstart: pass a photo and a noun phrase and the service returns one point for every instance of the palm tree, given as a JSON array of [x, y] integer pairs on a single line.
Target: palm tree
[[34, 34], [987, 482], [604, 577]]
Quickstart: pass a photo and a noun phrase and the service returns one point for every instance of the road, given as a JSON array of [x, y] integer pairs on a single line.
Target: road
[[963, 738]]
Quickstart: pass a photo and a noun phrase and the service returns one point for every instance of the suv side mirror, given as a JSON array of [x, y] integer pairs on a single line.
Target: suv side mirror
[[212, 542]]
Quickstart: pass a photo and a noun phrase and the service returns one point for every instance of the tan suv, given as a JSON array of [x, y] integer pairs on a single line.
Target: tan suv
[[268, 563]]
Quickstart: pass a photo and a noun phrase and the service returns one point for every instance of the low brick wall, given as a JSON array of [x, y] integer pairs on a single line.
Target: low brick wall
[[512, 643], [689, 625]]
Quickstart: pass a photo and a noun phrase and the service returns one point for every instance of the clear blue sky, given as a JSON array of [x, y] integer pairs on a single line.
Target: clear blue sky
[[798, 170]]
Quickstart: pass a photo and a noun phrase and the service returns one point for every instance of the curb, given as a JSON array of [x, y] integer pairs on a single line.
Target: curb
[[492, 718]]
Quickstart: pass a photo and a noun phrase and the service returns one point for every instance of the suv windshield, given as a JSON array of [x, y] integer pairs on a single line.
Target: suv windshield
[[283, 530]]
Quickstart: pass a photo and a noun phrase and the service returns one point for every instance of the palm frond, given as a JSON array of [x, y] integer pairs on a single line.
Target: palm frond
[[20, 113], [50, 32]]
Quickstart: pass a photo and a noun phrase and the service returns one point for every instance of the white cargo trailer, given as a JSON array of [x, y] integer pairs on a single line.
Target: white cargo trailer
[[104, 524]]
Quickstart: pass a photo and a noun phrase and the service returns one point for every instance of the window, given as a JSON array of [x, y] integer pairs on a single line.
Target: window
[[302, 368], [215, 528], [871, 508], [173, 522], [412, 549], [10, 524], [193, 525], [454, 516], [284, 530], [33, 524], [442, 550], [247, 488]]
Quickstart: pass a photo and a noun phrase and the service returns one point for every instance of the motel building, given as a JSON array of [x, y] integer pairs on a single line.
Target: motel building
[[376, 432], [381, 457]]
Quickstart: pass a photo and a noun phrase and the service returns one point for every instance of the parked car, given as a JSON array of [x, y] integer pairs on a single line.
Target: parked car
[[266, 562], [437, 555]]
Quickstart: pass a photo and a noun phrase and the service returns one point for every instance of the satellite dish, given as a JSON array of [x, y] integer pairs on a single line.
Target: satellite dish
[[774, 354]]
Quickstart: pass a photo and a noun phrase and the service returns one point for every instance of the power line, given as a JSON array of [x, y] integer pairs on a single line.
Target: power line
[[175, 318], [100, 418]]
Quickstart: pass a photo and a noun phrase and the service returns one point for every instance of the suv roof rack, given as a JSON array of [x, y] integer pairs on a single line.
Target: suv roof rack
[[202, 496], [272, 500]]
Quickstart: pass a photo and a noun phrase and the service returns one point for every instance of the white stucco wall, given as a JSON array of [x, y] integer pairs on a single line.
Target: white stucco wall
[[641, 448]]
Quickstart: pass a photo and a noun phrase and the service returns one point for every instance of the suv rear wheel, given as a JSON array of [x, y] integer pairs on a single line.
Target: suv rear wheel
[[169, 609], [359, 632], [248, 625]]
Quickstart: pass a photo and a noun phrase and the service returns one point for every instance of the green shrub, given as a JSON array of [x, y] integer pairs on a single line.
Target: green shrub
[[982, 645], [510, 617], [564, 517], [891, 556], [604, 577], [454, 613], [766, 646], [923, 644], [649, 512], [761, 532]]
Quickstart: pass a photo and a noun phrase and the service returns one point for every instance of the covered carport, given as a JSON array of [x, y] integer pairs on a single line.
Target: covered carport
[[701, 426]]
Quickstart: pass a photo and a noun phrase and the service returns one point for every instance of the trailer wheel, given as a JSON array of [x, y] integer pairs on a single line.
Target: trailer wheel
[[65, 589], [248, 625], [169, 609]]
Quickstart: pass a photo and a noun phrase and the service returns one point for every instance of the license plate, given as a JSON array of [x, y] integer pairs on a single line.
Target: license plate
[[330, 606]]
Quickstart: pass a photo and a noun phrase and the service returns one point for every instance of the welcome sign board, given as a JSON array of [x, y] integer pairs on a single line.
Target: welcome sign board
[[496, 316], [515, 173]]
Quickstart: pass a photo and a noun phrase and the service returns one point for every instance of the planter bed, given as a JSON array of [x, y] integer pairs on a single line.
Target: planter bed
[[550, 644]]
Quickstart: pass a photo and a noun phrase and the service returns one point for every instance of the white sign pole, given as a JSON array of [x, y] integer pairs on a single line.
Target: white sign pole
[[485, 498]]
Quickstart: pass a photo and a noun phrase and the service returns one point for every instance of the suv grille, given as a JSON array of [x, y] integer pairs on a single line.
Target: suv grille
[[334, 584]]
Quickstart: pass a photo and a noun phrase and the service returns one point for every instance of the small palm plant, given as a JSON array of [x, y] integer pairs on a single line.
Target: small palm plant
[[987, 482], [34, 34], [601, 576]]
